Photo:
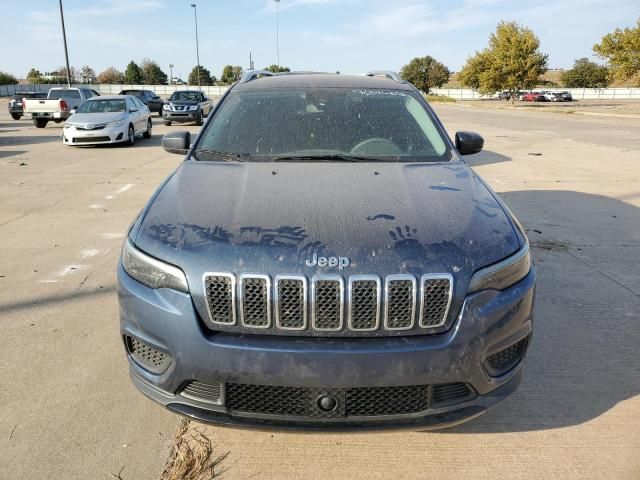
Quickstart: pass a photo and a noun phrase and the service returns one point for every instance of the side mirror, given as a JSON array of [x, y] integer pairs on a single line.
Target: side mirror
[[73, 110], [131, 110], [177, 142], [469, 143]]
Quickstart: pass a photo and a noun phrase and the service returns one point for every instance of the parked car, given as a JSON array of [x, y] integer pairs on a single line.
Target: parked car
[[552, 97], [323, 258], [504, 96], [533, 97], [15, 102], [186, 106], [148, 97], [566, 96], [57, 106], [108, 119]]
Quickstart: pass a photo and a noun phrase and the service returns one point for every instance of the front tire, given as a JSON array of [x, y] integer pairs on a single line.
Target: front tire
[[167, 123], [16, 116], [39, 122], [131, 136], [199, 120], [147, 133]]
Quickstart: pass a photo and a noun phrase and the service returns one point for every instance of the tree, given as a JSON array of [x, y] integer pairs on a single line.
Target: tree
[[7, 79], [586, 74], [511, 62], [231, 74], [425, 73], [152, 74], [277, 68], [133, 74], [205, 76], [622, 50], [34, 76], [111, 76], [87, 74], [60, 75]]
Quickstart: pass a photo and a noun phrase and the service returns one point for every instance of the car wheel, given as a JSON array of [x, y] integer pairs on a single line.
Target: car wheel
[[167, 123], [16, 116], [131, 136], [147, 134], [39, 122], [199, 120]]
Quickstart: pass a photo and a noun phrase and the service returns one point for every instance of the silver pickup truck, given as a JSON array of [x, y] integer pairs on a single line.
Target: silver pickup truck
[[57, 106]]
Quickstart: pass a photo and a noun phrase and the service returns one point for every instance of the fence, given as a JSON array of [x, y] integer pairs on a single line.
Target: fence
[[163, 90], [576, 93]]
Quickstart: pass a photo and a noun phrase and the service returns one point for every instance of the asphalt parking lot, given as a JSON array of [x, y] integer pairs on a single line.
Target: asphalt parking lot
[[68, 410]]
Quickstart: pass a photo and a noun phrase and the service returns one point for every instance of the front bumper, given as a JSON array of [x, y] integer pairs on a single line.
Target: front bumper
[[74, 136], [173, 116], [165, 319]]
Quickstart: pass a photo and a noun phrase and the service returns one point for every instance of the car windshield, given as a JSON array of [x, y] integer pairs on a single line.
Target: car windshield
[[322, 124], [102, 106], [56, 94], [186, 96]]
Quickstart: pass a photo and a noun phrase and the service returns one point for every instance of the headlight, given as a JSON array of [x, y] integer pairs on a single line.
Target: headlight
[[503, 274], [151, 272], [166, 107], [193, 107], [117, 123]]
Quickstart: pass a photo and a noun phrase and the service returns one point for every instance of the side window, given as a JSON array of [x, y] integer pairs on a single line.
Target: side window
[[131, 105], [139, 102], [94, 93]]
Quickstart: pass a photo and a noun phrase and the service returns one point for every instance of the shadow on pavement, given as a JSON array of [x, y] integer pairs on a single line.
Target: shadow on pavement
[[54, 299], [6, 154], [485, 157], [27, 140], [583, 360]]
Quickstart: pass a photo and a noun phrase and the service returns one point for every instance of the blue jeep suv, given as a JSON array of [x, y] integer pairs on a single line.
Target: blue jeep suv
[[324, 259]]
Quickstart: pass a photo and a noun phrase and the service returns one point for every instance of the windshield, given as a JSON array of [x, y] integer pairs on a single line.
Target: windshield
[[185, 96], [135, 93], [323, 124], [56, 94], [102, 106]]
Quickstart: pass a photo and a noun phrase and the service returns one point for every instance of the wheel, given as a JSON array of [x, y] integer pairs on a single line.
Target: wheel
[[167, 123], [160, 112], [131, 136], [40, 122], [16, 116], [147, 134], [199, 120]]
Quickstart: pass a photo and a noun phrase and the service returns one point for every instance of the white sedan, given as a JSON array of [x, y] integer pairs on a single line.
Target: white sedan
[[108, 119]]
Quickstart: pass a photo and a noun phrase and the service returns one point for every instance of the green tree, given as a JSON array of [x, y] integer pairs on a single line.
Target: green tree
[[425, 73], [586, 74], [111, 76], [277, 68], [512, 61], [152, 74], [133, 74], [34, 76], [7, 79], [205, 76], [622, 50], [231, 74]]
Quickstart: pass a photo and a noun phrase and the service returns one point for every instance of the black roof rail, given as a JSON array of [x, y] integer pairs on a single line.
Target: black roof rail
[[253, 74], [386, 73]]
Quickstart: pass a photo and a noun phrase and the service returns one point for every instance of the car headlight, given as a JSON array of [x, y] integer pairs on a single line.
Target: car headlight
[[117, 123], [166, 107], [152, 272], [193, 107], [503, 274]]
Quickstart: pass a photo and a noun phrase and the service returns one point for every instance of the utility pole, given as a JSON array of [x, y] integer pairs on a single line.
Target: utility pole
[[278, 30], [195, 17], [170, 73], [250, 62], [64, 37]]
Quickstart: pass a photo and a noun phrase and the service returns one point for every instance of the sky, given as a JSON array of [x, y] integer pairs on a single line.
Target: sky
[[352, 36]]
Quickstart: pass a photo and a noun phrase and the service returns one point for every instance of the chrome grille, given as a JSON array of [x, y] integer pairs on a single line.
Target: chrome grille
[[327, 304], [255, 301], [371, 304]]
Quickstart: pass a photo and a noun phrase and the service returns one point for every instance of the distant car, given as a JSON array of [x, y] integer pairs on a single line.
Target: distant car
[[504, 96], [108, 119], [58, 105], [566, 96], [15, 103], [533, 97], [552, 97], [186, 106], [148, 97]]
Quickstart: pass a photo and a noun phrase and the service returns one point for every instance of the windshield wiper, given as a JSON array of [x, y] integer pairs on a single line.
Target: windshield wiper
[[326, 158], [218, 155]]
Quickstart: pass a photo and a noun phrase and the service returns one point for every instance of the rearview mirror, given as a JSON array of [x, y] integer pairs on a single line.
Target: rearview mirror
[[469, 143], [177, 142]]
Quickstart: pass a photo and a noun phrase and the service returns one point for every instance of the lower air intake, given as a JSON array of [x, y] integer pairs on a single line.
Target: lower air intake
[[501, 362], [146, 356]]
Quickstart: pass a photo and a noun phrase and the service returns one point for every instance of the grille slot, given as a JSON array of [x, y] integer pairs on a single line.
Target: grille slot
[[291, 298], [146, 356], [327, 308], [501, 362], [435, 300], [450, 394], [364, 303], [387, 400], [203, 392], [255, 301], [400, 302], [266, 399], [219, 289]]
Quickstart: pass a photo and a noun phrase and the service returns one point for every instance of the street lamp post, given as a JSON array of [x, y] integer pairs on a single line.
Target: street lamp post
[[278, 30], [170, 73], [195, 17], [64, 37]]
